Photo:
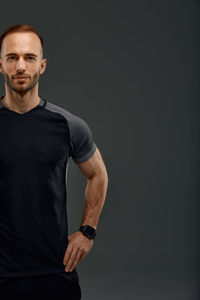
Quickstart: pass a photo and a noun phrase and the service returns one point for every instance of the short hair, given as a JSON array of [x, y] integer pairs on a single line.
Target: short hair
[[20, 28]]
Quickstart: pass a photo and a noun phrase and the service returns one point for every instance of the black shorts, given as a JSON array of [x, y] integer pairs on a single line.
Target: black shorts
[[64, 285]]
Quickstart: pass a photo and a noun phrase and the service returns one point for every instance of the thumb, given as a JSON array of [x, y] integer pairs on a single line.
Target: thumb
[[70, 237]]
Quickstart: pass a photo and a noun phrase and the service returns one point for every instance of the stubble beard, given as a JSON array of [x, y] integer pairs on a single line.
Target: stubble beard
[[22, 89]]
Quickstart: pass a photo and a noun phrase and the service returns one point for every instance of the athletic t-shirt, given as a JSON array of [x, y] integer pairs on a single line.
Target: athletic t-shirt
[[35, 148]]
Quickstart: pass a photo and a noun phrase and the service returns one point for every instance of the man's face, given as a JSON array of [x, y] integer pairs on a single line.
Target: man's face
[[21, 55]]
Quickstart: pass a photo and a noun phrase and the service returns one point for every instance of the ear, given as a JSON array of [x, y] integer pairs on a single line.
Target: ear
[[43, 65]]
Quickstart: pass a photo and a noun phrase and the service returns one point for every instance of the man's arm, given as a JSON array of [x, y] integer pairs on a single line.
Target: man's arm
[[95, 193]]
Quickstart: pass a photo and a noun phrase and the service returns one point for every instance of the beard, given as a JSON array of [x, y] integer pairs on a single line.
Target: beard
[[22, 88]]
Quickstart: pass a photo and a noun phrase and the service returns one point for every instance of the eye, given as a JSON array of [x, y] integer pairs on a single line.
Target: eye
[[31, 58], [11, 57]]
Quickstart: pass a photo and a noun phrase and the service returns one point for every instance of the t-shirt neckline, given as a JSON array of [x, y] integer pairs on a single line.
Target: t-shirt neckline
[[39, 105]]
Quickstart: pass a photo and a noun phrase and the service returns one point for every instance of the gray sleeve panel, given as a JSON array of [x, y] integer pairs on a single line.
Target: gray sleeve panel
[[82, 144], [81, 138]]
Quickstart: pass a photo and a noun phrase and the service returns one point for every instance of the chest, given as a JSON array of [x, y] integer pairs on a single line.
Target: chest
[[33, 139]]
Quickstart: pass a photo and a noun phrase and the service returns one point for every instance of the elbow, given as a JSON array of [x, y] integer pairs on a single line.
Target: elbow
[[103, 177]]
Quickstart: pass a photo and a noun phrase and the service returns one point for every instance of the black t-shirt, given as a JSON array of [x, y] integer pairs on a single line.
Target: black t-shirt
[[35, 148]]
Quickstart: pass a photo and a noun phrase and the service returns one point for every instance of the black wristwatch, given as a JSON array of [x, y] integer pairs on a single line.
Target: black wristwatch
[[88, 231]]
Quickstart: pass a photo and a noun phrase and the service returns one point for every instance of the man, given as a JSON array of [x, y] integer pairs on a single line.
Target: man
[[37, 257]]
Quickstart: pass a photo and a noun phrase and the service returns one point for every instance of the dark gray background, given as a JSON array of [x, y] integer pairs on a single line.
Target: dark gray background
[[130, 69]]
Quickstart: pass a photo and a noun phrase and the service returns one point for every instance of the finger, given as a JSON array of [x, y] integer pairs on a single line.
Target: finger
[[76, 261], [71, 259], [67, 254]]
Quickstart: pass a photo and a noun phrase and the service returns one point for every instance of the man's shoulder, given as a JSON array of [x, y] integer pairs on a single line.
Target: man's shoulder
[[50, 105], [81, 138], [73, 119]]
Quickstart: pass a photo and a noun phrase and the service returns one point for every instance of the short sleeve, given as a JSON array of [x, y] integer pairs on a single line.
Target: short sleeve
[[82, 145]]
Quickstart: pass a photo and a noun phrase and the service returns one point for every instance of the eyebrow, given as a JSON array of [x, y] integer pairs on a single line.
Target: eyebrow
[[31, 54]]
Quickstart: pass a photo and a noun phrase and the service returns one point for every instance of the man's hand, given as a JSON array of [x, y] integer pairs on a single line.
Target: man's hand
[[77, 248]]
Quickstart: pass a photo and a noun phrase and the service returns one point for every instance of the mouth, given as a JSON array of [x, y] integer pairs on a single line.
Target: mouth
[[20, 77]]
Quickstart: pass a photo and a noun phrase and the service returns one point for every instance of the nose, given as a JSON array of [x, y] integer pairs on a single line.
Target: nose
[[20, 67]]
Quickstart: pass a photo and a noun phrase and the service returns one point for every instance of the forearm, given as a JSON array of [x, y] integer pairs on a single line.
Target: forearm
[[95, 194]]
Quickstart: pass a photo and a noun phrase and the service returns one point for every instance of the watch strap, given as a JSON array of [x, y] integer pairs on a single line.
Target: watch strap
[[88, 231]]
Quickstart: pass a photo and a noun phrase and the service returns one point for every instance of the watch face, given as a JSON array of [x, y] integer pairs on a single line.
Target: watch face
[[90, 230]]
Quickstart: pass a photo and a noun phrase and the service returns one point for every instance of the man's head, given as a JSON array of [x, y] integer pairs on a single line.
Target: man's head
[[21, 51]]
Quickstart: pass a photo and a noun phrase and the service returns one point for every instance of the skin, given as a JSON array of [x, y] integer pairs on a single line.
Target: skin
[[21, 96], [95, 193]]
